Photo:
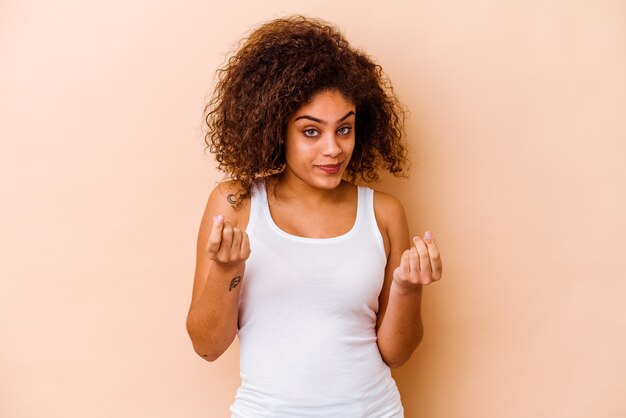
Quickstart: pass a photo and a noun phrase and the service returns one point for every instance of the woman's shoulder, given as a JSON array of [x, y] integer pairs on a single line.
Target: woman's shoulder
[[387, 205]]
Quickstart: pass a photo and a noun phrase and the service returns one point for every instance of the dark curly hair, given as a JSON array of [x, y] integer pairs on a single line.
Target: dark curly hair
[[279, 67]]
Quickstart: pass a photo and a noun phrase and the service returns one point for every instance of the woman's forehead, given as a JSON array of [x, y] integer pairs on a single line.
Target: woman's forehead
[[326, 105]]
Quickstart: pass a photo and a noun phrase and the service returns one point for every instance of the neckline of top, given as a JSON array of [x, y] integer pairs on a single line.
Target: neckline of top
[[262, 187]]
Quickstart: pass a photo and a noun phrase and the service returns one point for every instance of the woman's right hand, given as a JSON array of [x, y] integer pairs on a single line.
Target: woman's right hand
[[227, 244]]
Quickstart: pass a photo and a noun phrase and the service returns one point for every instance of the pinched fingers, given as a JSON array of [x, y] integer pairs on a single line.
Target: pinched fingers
[[227, 243], [430, 260], [240, 248], [404, 275], [421, 264]]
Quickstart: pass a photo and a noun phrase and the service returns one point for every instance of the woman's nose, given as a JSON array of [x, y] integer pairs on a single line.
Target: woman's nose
[[331, 146]]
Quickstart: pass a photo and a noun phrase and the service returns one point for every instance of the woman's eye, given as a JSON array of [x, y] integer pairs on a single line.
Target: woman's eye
[[310, 132], [344, 131]]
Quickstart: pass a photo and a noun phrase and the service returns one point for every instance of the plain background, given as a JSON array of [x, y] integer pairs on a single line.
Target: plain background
[[518, 141]]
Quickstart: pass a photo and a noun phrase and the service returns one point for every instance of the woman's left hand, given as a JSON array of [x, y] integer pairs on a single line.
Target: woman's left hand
[[419, 265]]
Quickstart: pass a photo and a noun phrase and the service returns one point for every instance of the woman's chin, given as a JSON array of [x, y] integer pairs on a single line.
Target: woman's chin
[[319, 179]]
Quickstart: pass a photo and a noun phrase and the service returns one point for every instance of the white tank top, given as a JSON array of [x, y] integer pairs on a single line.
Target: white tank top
[[307, 321]]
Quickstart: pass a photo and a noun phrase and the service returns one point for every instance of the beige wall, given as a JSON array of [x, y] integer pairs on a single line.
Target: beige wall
[[518, 140]]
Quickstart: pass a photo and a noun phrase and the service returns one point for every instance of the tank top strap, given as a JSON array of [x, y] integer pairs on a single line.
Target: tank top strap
[[367, 215], [258, 198]]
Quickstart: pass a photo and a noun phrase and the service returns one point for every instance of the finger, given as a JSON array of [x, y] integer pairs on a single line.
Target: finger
[[414, 261], [402, 271], [215, 236], [227, 237], [396, 273], [244, 251], [405, 264], [422, 250], [236, 245], [435, 258]]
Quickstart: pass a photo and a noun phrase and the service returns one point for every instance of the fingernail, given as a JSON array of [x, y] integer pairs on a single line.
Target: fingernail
[[218, 218], [428, 236]]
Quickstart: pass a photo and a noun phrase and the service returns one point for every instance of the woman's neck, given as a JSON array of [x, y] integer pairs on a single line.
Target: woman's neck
[[286, 188]]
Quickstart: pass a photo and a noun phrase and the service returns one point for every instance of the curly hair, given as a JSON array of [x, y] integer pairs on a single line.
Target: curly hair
[[278, 68]]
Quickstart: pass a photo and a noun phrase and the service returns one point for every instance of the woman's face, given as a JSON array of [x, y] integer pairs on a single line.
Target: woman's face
[[320, 140]]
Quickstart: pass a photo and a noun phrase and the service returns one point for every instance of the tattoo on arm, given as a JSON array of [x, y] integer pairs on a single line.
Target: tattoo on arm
[[234, 282]]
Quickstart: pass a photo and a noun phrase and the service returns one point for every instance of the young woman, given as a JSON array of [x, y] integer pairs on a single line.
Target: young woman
[[317, 276]]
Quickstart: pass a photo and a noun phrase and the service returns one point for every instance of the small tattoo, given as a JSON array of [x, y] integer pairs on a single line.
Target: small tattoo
[[232, 199], [234, 282]]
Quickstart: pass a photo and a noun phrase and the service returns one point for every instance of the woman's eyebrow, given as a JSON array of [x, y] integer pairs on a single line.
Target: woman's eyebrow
[[346, 116], [350, 113]]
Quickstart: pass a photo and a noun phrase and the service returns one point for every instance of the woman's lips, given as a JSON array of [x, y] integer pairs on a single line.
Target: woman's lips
[[329, 168]]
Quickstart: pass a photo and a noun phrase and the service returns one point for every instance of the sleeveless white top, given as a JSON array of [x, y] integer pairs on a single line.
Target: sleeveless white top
[[307, 318]]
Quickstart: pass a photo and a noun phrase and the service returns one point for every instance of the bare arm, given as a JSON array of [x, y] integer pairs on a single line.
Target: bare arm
[[409, 267], [221, 253]]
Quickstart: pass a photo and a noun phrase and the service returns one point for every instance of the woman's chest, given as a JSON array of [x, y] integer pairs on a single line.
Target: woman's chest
[[345, 275]]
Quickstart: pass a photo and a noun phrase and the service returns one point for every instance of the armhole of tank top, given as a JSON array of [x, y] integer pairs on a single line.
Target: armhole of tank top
[[371, 218], [255, 199]]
